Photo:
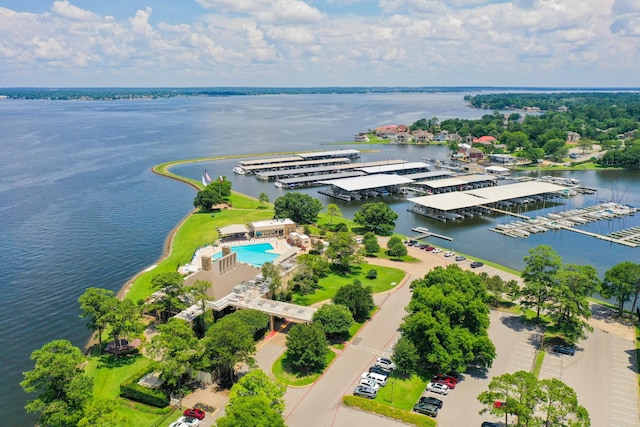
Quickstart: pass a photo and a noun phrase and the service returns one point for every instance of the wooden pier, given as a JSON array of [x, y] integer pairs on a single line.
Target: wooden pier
[[424, 233]]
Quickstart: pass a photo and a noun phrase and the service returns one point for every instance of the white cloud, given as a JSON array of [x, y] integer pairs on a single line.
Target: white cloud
[[69, 11], [404, 42]]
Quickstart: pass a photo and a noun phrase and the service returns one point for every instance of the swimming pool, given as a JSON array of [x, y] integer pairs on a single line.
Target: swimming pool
[[255, 254]]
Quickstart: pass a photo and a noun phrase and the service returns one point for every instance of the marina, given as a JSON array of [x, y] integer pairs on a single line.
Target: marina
[[568, 220], [320, 172], [247, 167]]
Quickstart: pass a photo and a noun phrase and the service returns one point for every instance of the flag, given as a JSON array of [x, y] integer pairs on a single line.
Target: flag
[[221, 178], [204, 182], [206, 175]]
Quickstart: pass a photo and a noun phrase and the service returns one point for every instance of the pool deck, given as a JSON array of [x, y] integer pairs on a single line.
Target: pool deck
[[280, 247]]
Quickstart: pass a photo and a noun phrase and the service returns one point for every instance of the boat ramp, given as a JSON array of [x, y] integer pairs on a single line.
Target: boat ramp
[[568, 220]]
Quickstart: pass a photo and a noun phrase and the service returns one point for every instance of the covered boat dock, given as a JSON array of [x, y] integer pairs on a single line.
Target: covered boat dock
[[365, 186], [458, 183], [457, 205]]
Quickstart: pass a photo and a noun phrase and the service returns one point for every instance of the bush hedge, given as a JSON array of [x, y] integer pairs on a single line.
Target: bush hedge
[[388, 411], [130, 389]]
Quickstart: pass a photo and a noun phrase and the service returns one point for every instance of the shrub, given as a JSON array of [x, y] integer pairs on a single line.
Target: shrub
[[372, 274], [130, 389]]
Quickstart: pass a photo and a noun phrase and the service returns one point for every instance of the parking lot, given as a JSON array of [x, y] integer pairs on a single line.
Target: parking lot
[[515, 347], [603, 374]]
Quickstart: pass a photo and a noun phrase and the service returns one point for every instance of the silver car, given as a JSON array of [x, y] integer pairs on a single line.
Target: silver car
[[438, 388], [364, 391]]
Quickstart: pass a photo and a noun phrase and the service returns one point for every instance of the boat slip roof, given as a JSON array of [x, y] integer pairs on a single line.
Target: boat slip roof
[[293, 165], [271, 160], [458, 180], [312, 178], [348, 166], [483, 196], [394, 168], [427, 175], [329, 153], [368, 182]]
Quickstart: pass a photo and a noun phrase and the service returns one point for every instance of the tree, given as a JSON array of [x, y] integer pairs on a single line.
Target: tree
[[395, 247], [103, 412], [299, 207], [251, 412], [307, 348], [124, 320], [257, 321], [227, 343], [568, 307], [559, 405], [376, 217], [272, 273], [171, 284], [622, 281], [405, 355], [343, 251], [547, 402], [257, 384], [178, 351], [370, 242], [333, 210], [97, 304], [518, 393], [540, 268], [263, 198], [357, 298], [198, 291], [334, 319], [63, 388], [207, 198], [448, 320]]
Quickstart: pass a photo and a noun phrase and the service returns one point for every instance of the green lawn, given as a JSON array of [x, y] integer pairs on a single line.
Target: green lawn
[[199, 229], [295, 380], [108, 373], [402, 393], [329, 285]]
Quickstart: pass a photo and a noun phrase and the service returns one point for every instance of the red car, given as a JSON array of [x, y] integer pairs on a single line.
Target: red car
[[195, 413], [441, 377]]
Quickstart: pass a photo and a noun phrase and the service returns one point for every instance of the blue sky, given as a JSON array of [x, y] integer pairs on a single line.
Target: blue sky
[[320, 43]]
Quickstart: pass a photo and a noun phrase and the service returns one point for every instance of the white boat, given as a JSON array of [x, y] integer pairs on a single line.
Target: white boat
[[238, 170], [278, 184]]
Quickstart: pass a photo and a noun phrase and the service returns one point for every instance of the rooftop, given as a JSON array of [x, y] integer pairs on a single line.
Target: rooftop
[[368, 182]]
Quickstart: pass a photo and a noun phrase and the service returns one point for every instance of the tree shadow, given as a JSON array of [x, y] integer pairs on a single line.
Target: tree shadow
[[111, 362]]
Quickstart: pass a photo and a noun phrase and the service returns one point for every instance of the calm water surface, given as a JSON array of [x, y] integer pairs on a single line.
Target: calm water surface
[[80, 207]]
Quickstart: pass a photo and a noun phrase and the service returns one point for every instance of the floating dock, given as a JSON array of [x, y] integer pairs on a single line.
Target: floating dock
[[567, 220], [424, 233]]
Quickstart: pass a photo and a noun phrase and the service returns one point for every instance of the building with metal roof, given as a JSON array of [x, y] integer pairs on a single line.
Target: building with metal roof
[[281, 166], [456, 205], [311, 180], [400, 169], [429, 176], [458, 183], [350, 153], [363, 187]]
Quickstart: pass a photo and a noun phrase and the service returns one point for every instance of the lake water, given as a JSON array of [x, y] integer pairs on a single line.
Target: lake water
[[80, 207]]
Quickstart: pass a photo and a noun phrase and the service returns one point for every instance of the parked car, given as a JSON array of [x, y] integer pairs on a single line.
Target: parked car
[[369, 382], [365, 391], [461, 258], [438, 388], [564, 349], [449, 254], [426, 408], [429, 248], [432, 401], [195, 413], [186, 422], [447, 382], [379, 370], [386, 364], [490, 424], [378, 378], [448, 377], [476, 264], [436, 251]]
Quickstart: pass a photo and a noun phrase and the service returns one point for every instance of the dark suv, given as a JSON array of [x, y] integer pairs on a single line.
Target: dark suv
[[426, 408]]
